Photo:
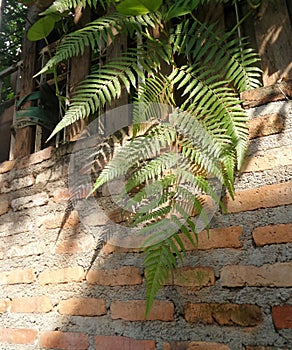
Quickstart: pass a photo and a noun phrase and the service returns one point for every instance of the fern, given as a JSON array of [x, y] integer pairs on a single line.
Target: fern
[[176, 158], [158, 261], [230, 56], [104, 84], [97, 35], [66, 5]]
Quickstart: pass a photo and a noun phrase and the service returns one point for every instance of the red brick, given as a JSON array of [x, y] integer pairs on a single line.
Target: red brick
[[4, 207], [7, 166], [195, 346], [82, 307], [266, 94], [265, 125], [110, 248], [272, 234], [224, 314], [35, 158], [4, 305], [35, 200], [66, 275], [226, 237], [263, 197], [75, 246], [282, 316], [17, 276], [18, 336], [55, 220], [193, 277], [64, 340], [122, 343], [31, 305], [61, 195], [276, 275], [269, 160], [127, 275], [17, 184], [134, 310]]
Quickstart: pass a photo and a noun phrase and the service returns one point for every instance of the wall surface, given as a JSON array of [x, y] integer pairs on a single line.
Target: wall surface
[[234, 293]]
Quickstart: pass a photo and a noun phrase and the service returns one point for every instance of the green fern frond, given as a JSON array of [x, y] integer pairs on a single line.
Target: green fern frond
[[127, 157], [217, 107], [66, 5], [159, 260], [103, 85], [97, 35], [231, 58], [153, 169], [153, 100]]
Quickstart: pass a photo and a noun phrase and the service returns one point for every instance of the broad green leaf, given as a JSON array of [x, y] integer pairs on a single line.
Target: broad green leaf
[[138, 7], [42, 28]]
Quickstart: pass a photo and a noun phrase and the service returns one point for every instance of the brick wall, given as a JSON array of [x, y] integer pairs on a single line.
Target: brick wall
[[234, 292]]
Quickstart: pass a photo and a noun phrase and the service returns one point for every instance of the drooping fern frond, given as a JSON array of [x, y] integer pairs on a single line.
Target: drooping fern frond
[[104, 84], [97, 35], [229, 56], [66, 5], [215, 104], [158, 261]]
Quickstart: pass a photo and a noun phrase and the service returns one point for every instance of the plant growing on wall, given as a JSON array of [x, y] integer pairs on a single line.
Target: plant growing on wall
[[208, 68]]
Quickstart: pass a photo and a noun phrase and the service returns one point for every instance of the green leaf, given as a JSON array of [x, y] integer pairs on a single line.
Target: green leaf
[[138, 7], [42, 28]]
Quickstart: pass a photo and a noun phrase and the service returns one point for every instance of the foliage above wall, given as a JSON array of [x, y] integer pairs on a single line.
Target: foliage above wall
[[207, 127]]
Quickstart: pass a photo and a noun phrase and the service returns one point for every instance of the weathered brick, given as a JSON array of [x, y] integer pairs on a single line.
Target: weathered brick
[[75, 246], [264, 348], [15, 224], [61, 195], [126, 275], [4, 207], [64, 340], [35, 158], [270, 160], [122, 343], [29, 201], [51, 174], [32, 248], [17, 276], [40, 304], [195, 345], [266, 94], [55, 220], [66, 275], [224, 314], [4, 305], [263, 197], [134, 310], [193, 277], [265, 125], [17, 184], [18, 336], [99, 218], [226, 237], [82, 307], [276, 275], [110, 248], [272, 234], [282, 316], [7, 166]]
